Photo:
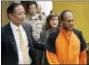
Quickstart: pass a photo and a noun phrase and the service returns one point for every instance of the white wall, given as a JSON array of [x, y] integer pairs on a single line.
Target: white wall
[[46, 6]]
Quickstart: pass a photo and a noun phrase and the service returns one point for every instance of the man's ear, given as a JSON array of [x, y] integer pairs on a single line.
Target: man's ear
[[61, 22], [10, 15]]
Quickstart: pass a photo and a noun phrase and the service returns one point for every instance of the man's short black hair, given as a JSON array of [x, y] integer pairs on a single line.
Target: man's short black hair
[[31, 3], [63, 13], [11, 7]]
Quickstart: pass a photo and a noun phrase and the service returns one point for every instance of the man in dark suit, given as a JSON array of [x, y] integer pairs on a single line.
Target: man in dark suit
[[11, 51]]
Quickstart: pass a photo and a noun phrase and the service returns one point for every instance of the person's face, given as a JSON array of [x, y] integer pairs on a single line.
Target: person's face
[[32, 9], [18, 16], [68, 21], [54, 22], [39, 9]]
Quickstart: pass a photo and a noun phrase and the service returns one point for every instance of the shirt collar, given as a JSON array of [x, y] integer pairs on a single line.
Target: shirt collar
[[14, 27]]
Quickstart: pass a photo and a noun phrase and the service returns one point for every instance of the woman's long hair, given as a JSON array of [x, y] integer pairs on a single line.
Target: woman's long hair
[[49, 17]]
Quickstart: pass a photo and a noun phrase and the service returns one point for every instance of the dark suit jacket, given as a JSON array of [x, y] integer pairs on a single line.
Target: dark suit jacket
[[9, 54]]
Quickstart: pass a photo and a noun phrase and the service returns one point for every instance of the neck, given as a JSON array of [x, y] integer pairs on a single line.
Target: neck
[[17, 24], [65, 29], [53, 29], [32, 15]]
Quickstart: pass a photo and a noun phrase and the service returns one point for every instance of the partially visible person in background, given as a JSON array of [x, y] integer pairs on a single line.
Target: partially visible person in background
[[66, 45], [51, 12], [52, 23], [32, 18], [42, 15], [39, 11]]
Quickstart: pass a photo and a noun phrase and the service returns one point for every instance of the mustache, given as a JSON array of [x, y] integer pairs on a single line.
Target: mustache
[[71, 25], [22, 19]]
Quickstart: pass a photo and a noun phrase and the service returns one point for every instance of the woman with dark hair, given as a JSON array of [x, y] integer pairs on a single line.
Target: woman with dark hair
[[52, 23]]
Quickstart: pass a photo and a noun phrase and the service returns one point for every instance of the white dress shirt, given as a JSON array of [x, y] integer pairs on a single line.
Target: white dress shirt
[[15, 32]]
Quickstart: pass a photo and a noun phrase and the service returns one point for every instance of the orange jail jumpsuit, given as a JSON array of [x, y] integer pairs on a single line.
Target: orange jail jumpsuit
[[67, 47]]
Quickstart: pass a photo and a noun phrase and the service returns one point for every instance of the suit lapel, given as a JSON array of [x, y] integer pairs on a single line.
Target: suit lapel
[[28, 33], [11, 38]]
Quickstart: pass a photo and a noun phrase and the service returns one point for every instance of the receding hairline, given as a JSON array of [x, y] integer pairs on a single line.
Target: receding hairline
[[63, 13]]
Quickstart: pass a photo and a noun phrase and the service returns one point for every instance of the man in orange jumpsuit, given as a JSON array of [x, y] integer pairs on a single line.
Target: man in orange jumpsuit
[[66, 45]]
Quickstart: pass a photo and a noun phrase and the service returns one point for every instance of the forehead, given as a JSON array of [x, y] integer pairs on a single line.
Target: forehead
[[54, 17], [19, 8], [32, 5], [39, 6], [68, 15]]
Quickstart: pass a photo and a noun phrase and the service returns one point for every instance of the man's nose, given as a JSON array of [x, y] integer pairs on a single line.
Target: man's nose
[[54, 21], [71, 22], [23, 16]]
